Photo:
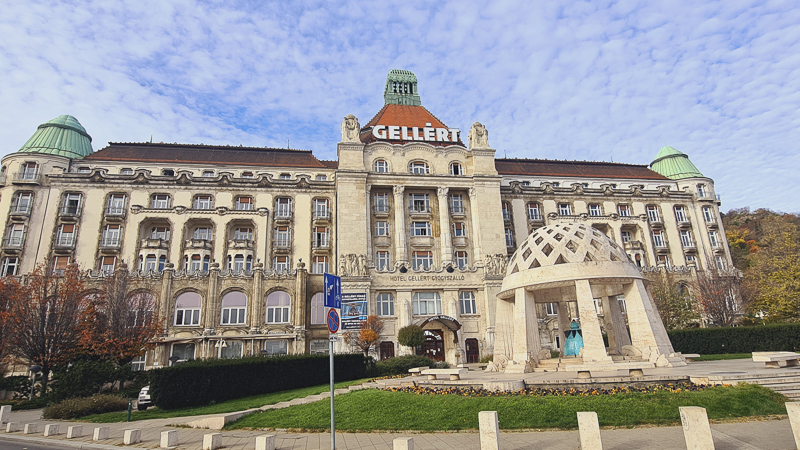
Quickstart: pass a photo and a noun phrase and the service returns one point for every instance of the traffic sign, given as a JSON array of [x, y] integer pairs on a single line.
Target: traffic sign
[[333, 321], [333, 291]]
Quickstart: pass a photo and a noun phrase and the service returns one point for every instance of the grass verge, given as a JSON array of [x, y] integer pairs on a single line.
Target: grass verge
[[371, 409], [724, 356], [218, 408]]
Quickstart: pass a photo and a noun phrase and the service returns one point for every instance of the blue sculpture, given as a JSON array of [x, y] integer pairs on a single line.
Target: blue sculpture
[[574, 342]]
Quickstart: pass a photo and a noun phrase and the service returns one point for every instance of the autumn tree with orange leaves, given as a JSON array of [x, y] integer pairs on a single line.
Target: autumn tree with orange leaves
[[367, 336], [9, 290]]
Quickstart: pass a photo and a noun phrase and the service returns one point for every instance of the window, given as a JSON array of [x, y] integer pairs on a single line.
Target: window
[[426, 303], [421, 260], [509, 238], [168, 172], [652, 213], [663, 259], [116, 205], [381, 202], [280, 264], [278, 304], [202, 202], [285, 176], [244, 203], [187, 309], [419, 203], [10, 266], [713, 236], [16, 236], [282, 237], [126, 171], [467, 301], [234, 305], [283, 208], [243, 234], [658, 239], [160, 201], [22, 203], [385, 304], [184, 352], [321, 237], [320, 265], [551, 309], [701, 190], [138, 363], [456, 204], [680, 214], [382, 260], [30, 171], [624, 210], [276, 347], [534, 211], [594, 210], [196, 263], [621, 302], [148, 264], [720, 262], [229, 349], [322, 178], [66, 235], [459, 230], [708, 214], [420, 229], [248, 175], [381, 166], [381, 228], [72, 204], [240, 263], [525, 183], [456, 169], [60, 264], [208, 173], [321, 210], [159, 233], [461, 260], [318, 312], [202, 233], [506, 211], [565, 209], [691, 260], [686, 238], [418, 168], [626, 237]]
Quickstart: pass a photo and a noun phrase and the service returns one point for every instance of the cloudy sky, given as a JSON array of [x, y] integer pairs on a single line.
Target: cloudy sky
[[599, 80]]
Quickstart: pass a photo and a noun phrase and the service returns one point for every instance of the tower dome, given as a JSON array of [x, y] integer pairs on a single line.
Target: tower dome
[[62, 136], [674, 164]]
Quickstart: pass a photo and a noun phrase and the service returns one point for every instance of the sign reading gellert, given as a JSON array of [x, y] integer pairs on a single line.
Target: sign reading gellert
[[429, 133]]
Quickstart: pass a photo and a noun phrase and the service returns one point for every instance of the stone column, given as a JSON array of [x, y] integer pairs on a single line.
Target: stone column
[[444, 226], [519, 216], [403, 310], [211, 301], [400, 225], [256, 314], [504, 330], [618, 323], [609, 325], [564, 321], [526, 331], [647, 330], [370, 230], [594, 350], [476, 224]]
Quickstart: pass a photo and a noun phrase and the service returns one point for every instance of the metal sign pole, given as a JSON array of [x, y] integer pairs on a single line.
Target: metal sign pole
[[333, 421]]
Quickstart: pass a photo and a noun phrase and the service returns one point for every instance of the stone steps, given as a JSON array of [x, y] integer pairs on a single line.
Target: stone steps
[[786, 383]]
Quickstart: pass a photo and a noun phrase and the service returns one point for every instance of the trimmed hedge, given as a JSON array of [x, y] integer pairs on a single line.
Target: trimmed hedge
[[198, 383], [399, 365], [714, 341], [78, 407]]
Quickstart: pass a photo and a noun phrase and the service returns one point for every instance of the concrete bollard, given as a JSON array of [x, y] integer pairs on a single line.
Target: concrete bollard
[[212, 441], [13, 426], [132, 437], [100, 434], [696, 430], [51, 429], [793, 408], [74, 431], [266, 442], [489, 429], [30, 428], [589, 430], [169, 438], [403, 443], [5, 413]]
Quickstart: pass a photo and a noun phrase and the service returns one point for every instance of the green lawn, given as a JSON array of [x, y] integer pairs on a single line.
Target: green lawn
[[371, 409], [218, 408], [724, 356]]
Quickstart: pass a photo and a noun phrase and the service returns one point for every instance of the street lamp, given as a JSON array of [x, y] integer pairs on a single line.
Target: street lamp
[[219, 346], [174, 358], [34, 371]]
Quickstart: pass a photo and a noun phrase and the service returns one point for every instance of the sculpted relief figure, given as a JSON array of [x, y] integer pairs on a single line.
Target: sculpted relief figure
[[352, 265], [495, 264], [478, 136], [350, 129]]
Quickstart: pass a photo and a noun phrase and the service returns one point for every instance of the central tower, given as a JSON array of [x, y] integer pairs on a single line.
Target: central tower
[[401, 89]]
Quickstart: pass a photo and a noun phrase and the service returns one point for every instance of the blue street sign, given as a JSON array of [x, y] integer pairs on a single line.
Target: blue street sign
[[333, 291], [333, 321]]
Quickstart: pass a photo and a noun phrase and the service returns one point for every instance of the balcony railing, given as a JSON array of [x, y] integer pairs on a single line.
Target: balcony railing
[[70, 211], [20, 210], [115, 211], [110, 243], [322, 215], [65, 242], [240, 243], [420, 209], [27, 177], [457, 210], [322, 243], [282, 243], [14, 242], [283, 213], [381, 209]]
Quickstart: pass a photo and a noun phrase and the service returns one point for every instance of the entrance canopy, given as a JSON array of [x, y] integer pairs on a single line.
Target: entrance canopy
[[449, 322]]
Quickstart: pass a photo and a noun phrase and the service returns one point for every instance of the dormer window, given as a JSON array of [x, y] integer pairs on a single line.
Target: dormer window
[[126, 171], [381, 166], [208, 173], [285, 176], [84, 169], [168, 172], [418, 168], [456, 169], [248, 175]]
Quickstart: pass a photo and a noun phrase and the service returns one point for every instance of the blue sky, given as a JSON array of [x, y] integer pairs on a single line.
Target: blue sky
[[600, 80]]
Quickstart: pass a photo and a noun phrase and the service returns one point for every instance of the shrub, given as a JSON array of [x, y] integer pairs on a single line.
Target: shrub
[[197, 383], [78, 407], [486, 359], [399, 365], [19, 385], [411, 336], [714, 341], [82, 379]]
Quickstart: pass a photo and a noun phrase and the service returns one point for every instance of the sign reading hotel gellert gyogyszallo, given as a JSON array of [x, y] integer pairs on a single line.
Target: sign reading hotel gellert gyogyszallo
[[404, 133], [354, 310]]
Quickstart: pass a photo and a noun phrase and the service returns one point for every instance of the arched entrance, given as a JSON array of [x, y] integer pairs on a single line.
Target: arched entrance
[[433, 347]]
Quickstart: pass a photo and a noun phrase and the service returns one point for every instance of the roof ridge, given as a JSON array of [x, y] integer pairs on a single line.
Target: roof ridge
[[569, 161], [208, 146]]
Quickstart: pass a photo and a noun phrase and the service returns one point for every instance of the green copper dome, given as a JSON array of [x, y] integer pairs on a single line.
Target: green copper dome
[[62, 136], [674, 164], [401, 88]]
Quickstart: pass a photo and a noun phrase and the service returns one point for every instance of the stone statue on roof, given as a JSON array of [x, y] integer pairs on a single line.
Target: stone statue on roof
[[478, 136], [350, 129]]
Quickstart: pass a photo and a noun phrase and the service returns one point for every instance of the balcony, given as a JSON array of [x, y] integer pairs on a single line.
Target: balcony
[[419, 210], [684, 222], [381, 210], [421, 241], [198, 244], [322, 214], [71, 212], [154, 243], [458, 211], [27, 177], [20, 211], [381, 241], [115, 213], [241, 244], [537, 218], [110, 243], [14, 243], [460, 241], [283, 214], [634, 245], [64, 243], [655, 221], [282, 245], [321, 244]]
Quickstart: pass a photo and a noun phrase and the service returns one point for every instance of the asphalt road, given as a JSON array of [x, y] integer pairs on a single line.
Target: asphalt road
[[11, 444]]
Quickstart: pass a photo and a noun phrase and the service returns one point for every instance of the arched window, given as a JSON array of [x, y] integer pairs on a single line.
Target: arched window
[[234, 305], [318, 309], [381, 166], [456, 168], [278, 304], [418, 168], [187, 309], [141, 310], [427, 303]]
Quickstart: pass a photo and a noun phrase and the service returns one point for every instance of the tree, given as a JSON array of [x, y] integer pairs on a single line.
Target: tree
[[411, 336], [672, 300], [121, 323], [44, 318], [366, 337], [9, 289], [717, 295]]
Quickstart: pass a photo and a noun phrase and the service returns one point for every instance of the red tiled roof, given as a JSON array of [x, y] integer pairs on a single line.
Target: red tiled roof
[[207, 154], [404, 115], [589, 169]]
